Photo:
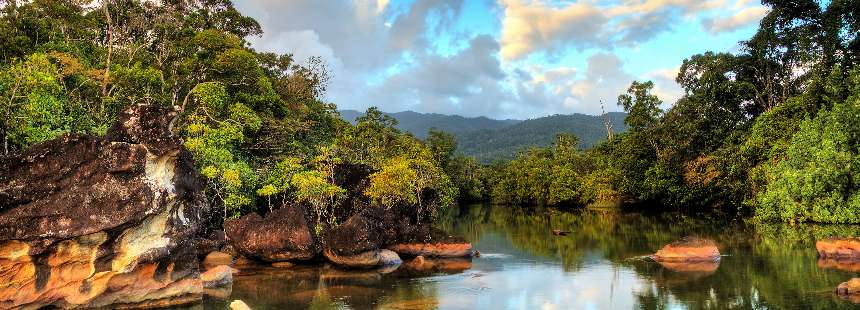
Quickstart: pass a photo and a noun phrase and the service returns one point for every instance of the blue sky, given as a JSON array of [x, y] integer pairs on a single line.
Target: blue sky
[[499, 58]]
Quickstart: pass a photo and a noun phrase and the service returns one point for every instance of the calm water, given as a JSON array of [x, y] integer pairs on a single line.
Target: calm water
[[597, 266]]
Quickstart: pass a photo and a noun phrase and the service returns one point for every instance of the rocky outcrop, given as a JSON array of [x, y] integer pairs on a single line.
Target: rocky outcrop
[[839, 248], [688, 250], [283, 235], [849, 290], [87, 221]]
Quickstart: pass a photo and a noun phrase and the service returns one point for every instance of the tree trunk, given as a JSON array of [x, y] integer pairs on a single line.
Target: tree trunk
[[109, 49]]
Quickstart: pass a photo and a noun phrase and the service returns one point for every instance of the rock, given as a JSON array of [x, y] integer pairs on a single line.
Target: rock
[[284, 235], [436, 243], [217, 276], [389, 258], [93, 222], [839, 248], [359, 234], [282, 265], [216, 258], [368, 259], [849, 290], [849, 287], [239, 305], [433, 249], [559, 232], [688, 249]]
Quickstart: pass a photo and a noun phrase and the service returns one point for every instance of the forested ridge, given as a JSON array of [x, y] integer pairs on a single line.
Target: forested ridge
[[490, 140], [772, 131]]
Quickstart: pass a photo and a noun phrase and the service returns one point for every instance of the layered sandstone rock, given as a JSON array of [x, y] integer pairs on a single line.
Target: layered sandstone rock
[[688, 250], [839, 248], [93, 222], [283, 235]]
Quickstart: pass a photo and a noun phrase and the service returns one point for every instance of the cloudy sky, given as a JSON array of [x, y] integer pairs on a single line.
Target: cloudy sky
[[499, 58]]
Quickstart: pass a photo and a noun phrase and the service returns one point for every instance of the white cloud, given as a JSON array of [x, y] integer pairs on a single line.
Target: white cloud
[[740, 19], [538, 26]]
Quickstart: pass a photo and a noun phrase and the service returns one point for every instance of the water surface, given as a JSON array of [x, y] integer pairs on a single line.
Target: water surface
[[599, 265]]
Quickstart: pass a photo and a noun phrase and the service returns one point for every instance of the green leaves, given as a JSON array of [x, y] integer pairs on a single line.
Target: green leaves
[[819, 178], [32, 105]]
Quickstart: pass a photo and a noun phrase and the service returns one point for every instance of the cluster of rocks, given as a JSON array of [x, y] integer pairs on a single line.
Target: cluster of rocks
[[842, 254], [372, 237], [693, 254]]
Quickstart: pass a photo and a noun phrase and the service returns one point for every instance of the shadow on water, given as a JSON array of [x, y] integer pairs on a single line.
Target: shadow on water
[[598, 265]]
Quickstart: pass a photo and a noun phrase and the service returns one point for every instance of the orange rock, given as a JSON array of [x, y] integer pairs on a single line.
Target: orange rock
[[217, 276], [216, 259], [849, 290], [839, 248], [688, 249], [282, 265], [433, 249]]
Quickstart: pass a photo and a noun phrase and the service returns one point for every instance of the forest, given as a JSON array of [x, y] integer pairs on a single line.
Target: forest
[[771, 132]]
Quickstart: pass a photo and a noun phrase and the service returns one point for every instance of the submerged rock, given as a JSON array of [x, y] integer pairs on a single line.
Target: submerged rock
[[688, 249], [90, 222], [283, 235], [839, 248]]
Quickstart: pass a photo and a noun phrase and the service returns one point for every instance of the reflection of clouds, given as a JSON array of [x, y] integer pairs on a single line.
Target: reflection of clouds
[[542, 286]]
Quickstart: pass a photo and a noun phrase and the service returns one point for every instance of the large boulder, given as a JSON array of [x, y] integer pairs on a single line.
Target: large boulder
[[839, 248], [688, 250], [283, 235], [88, 221]]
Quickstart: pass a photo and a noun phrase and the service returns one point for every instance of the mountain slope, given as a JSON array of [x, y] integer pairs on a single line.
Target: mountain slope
[[420, 123], [488, 139], [504, 143]]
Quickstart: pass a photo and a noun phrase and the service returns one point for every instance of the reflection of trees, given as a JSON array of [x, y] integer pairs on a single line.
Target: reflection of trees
[[327, 287], [768, 266]]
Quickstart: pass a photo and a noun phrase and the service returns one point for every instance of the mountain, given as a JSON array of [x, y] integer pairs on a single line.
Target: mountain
[[489, 139], [504, 143], [420, 123]]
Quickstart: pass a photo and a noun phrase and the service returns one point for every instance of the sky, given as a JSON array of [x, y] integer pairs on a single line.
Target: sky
[[513, 59]]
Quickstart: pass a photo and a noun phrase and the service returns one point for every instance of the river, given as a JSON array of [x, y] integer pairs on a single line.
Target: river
[[599, 265]]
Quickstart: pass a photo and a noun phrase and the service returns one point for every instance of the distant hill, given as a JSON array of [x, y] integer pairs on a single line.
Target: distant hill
[[504, 143], [420, 123], [489, 139]]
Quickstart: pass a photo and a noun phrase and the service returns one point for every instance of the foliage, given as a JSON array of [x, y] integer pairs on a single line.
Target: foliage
[[818, 178], [255, 123]]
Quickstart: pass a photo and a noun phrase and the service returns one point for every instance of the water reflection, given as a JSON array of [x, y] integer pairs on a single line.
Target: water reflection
[[598, 265]]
